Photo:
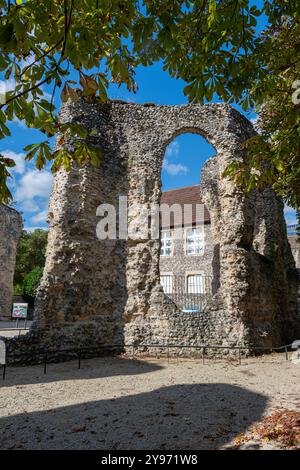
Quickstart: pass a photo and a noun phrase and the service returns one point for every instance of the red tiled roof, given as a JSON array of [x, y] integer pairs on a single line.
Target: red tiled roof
[[186, 195]]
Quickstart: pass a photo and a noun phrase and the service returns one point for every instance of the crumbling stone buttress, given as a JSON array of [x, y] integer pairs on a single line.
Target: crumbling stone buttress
[[105, 292], [10, 231]]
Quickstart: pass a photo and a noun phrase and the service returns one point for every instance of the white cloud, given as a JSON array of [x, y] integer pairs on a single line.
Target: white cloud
[[172, 149], [28, 61], [29, 206], [34, 184], [175, 169], [290, 215], [288, 210], [254, 120], [7, 85], [40, 218], [10, 84], [31, 189], [32, 193], [19, 160]]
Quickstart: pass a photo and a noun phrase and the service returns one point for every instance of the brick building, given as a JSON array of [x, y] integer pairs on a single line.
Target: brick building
[[188, 258], [189, 268], [10, 231]]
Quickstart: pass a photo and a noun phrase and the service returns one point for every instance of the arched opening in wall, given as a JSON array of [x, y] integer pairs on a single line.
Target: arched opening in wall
[[189, 265]]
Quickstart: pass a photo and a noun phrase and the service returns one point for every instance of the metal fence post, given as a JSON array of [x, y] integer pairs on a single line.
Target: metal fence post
[[45, 364]]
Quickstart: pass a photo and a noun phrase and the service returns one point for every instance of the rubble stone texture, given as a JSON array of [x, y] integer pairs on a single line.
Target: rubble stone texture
[[104, 292], [10, 231], [295, 247]]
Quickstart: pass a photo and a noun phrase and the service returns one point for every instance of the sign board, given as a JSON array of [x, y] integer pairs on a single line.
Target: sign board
[[20, 311], [2, 353]]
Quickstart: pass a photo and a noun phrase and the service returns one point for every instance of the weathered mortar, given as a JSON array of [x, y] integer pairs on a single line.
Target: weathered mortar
[[10, 231], [97, 292]]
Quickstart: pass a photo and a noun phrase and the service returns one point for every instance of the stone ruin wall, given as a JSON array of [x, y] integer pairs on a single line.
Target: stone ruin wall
[[108, 292], [295, 247], [10, 230]]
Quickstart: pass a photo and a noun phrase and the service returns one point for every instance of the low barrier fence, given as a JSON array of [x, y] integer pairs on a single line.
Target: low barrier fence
[[92, 352], [189, 293]]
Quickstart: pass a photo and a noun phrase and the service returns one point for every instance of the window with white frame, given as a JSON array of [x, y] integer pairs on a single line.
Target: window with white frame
[[166, 243], [195, 284], [194, 241], [166, 281]]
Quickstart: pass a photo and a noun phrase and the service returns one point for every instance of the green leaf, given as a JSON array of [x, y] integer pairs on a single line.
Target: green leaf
[[4, 131], [6, 33]]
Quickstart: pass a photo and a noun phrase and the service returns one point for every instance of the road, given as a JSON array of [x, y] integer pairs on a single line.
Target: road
[[10, 329]]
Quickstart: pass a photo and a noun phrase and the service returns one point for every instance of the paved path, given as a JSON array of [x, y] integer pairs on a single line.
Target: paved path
[[9, 329], [13, 324]]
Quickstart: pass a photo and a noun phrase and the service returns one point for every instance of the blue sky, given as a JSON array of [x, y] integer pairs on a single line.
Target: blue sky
[[182, 164]]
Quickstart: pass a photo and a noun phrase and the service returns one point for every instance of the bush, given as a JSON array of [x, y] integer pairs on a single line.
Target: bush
[[18, 289], [30, 253], [31, 282]]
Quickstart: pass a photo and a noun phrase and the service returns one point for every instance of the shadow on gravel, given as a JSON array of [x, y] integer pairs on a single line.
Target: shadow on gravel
[[90, 369], [179, 417]]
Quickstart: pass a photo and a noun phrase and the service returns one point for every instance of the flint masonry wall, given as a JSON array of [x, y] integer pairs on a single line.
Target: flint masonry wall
[[103, 292], [10, 231], [180, 263], [295, 247]]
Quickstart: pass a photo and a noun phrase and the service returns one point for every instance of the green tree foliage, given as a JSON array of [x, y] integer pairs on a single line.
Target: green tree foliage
[[30, 255], [275, 152], [213, 45], [31, 283]]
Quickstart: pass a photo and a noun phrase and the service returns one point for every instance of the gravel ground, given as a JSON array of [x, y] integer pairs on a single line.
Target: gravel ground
[[142, 404]]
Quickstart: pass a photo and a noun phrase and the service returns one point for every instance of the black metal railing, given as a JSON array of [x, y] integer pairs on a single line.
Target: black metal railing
[[189, 293], [46, 357]]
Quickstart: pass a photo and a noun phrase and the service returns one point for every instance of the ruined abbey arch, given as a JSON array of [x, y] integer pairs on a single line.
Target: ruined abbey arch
[[106, 292]]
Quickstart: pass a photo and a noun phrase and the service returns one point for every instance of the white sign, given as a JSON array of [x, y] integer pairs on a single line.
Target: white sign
[[296, 344], [2, 353], [20, 311]]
